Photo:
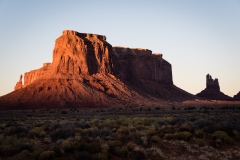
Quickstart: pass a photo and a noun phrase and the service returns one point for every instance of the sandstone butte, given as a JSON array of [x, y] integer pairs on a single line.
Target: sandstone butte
[[212, 90], [237, 97], [87, 71]]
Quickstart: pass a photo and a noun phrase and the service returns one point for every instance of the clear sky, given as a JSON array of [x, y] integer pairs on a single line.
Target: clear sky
[[196, 36]]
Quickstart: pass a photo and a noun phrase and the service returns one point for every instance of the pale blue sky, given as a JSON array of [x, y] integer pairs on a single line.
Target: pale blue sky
[[196, 36]]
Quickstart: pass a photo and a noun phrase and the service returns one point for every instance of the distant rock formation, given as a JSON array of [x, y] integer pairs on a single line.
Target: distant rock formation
[[87, 71], [237, 97], [212, 90]]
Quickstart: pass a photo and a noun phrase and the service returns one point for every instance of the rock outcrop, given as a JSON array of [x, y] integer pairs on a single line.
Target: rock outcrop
[[212, 90], [19, 84], [236, 97], [87, 71]]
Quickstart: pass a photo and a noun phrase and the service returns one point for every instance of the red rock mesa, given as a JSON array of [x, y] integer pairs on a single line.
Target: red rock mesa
[[87, 71]]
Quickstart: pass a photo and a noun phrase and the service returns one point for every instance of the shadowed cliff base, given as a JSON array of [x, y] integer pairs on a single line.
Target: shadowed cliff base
[[87, 71]]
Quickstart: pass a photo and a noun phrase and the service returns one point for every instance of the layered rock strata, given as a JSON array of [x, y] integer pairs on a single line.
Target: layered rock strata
[[87, 71], [212, 90]]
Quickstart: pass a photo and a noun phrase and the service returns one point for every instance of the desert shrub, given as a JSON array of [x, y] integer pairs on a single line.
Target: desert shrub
[[227, 107], [63, 112], [106, 123], [36, 153], [17, 131], [204, 108], [47, 155], [147, 121], [200, 142], [121, 137], [185, 127], [105, 148], [95, 132], [123, 129], [192, 119], [82, 155], [24, 146], [209, 129], [83, 125], [62, 133], [198, 133], [54, 126], [177, 121], [24, 155], [144, 140], [168, 136], [77, 136], [136, 137], [11, 124], [36, 132], [68, 146], [157, 151], [121, 151], [113, 144], [166, 129], [138, 155], [150, 130], [227, 126], [190, 108], [57, 148], [236, 134], [161, 123], [100, 156], [91, 146], [9, 140], [224, 137], [155, 139], [183, 135], [7, 150], [131, 146], [199, 124]]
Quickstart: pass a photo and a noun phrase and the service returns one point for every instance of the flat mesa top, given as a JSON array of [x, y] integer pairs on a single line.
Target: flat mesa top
[[84, 35]]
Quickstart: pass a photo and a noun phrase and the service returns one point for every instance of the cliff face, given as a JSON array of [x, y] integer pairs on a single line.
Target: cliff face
[[212, 90], [87, 71], [135, 64], [79, 53]]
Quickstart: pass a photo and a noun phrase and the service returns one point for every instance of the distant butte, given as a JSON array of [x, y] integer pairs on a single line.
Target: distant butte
[[212, 90], [237, 97], [87, 71]]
